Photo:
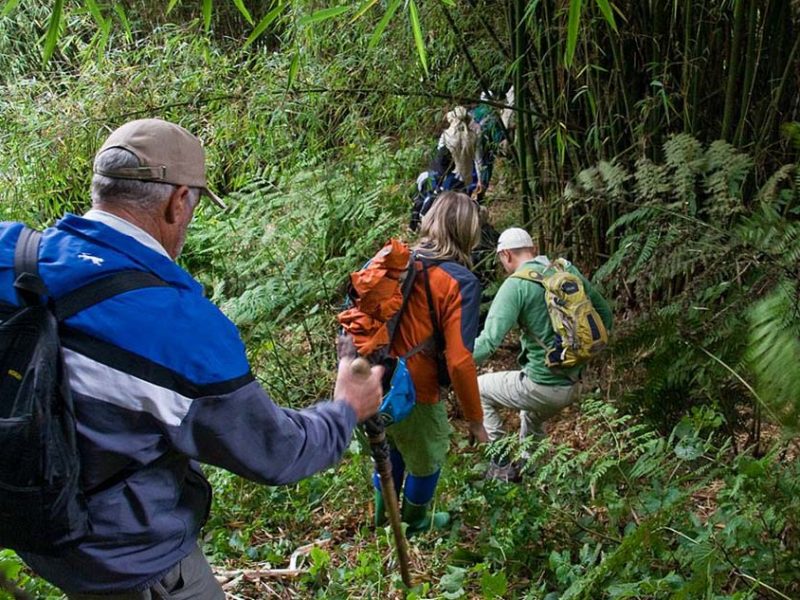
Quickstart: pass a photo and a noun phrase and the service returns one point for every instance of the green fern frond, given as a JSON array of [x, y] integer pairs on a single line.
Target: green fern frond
[[774, 350]]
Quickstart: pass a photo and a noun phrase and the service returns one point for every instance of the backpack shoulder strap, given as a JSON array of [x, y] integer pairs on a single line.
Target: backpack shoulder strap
[[529, 274], [437, 332], [93, 293], [31, 287], [405, 289], [562, 264], [27, 282]]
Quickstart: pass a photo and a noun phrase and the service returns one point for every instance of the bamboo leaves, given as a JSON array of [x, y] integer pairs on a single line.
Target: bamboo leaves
[[8, 7], [53, 29], [381, 27], [420, 43], [323, 15], [206, 11], [362, 10], [243, 10], [574, 21], [263, 24], [608, 14]]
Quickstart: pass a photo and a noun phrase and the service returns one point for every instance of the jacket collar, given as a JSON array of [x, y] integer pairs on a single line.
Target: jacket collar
[[150, 260]]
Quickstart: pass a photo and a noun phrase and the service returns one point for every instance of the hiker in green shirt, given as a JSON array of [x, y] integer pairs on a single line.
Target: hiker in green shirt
[[537, 391]]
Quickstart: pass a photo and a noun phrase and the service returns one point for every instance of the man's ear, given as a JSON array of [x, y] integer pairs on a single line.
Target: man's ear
[[177, 205]]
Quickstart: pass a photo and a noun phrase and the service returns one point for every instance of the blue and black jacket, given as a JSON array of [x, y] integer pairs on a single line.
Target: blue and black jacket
[[160, 380]]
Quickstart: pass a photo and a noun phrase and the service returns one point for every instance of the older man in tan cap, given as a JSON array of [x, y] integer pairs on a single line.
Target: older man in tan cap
[[160, 379], [538, 391]]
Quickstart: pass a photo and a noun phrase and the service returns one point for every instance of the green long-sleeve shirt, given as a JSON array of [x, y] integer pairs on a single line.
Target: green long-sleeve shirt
[[520, 302]]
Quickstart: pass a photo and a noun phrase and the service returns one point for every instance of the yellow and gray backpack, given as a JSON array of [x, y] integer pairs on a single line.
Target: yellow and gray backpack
[[579, 331]]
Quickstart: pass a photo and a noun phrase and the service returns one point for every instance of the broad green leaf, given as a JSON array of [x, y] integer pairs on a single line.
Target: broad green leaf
[[418, 39], [689, 448], [608, 13], [363, 9], [172, 4], [293, 68], [53, 28], [323, 15], [263, 24], [9, 6], [387, 16], [207, 14], [96, 13], [573, 24], [494, 585], [243, 9]]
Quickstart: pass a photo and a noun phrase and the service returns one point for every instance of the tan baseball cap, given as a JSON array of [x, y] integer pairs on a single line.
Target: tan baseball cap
[[167, 153]]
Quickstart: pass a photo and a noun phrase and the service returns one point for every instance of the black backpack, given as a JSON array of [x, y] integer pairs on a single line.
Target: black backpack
[[42, 504]]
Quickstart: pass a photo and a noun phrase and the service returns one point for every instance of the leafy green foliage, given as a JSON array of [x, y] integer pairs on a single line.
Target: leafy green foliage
[[628, 513], [702, 267], [694, 254], [775, 344]]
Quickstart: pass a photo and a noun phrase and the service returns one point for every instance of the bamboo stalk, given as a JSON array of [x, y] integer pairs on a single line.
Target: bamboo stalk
[[521, 95], [686, 65], [751, 65], [772, 111], [733, 69]]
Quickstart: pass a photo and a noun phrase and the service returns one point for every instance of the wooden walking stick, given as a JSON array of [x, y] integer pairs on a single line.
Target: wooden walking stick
[[379, 449]]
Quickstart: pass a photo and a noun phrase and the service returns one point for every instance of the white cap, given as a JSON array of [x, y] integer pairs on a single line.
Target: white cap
[[514, 238]]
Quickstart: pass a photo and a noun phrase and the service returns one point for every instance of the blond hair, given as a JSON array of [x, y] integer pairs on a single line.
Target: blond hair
[[450, 229]]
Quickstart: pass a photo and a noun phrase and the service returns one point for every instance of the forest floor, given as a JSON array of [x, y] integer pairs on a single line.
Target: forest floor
[[348, 529]]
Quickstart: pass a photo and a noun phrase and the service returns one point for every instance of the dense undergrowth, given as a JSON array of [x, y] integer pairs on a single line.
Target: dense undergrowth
[[672, 480]]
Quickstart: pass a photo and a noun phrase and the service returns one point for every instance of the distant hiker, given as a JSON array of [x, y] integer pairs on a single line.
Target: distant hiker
[[538, 391], [489, 139], [160, 379], [508, 116], [437, 329], [457, 159], [427, 189], [457, 152]]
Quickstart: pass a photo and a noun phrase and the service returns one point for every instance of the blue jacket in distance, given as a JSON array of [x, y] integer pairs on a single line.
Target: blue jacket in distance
[[160, 380]]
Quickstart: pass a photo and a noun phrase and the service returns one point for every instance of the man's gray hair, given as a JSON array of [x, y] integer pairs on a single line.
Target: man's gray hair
[[131, 193]]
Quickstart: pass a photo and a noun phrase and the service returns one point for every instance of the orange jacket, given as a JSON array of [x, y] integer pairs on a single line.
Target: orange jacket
[[456, 302]]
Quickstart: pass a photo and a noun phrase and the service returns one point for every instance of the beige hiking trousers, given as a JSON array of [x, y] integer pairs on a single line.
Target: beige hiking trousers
[[513, 389]]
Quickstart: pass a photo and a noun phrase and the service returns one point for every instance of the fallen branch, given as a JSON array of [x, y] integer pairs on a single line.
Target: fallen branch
[[230, 578]]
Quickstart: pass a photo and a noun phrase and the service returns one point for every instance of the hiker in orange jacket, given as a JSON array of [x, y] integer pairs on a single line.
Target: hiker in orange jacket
[[449, 305]]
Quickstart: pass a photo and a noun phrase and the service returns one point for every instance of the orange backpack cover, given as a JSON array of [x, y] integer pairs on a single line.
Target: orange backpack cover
[[376, 293]]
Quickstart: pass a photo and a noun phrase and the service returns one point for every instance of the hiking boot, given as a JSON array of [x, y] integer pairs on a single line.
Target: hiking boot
[[507, 473], [420, 518]]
